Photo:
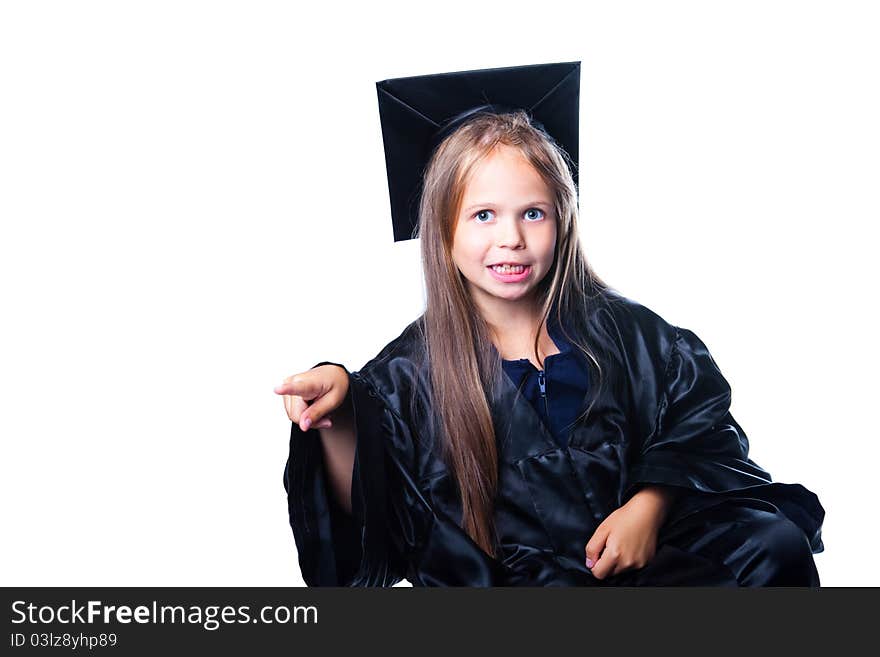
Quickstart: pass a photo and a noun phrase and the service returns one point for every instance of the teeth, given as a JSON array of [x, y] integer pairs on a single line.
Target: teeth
[[507, 269]]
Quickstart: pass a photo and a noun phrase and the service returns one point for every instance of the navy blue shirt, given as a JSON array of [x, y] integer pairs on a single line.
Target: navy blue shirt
[[565, 380]]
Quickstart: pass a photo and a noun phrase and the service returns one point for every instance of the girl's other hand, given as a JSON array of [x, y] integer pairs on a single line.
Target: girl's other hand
[[310, 397], [627, 539]]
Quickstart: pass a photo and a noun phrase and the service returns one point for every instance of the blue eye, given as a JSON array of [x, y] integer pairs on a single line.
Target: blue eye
[[536, 210], [479, 213]]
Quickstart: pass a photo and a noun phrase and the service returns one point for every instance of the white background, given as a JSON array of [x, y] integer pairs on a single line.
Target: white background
[[194, 205]]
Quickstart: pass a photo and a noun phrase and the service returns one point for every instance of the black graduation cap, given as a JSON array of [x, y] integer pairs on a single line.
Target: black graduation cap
[[418, 112]]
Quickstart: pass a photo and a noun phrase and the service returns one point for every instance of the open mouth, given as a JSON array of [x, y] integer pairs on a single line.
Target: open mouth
[[508, 274], [508, 269]]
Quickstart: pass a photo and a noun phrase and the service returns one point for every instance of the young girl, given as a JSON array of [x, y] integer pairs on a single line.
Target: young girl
[[532, 427]]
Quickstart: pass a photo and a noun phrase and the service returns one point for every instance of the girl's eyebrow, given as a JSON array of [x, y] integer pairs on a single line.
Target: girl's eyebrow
[[546, 204]]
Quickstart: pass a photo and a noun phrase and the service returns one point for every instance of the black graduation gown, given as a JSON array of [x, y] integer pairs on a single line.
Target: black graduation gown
[[663, 419]]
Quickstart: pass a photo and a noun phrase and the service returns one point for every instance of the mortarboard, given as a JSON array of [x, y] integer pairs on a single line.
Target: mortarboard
[[418, 112]]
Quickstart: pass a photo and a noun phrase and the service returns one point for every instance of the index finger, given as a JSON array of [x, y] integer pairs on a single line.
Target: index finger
[[300, 385]]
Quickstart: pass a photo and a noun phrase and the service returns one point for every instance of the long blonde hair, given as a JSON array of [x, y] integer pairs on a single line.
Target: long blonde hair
[[465, 373]]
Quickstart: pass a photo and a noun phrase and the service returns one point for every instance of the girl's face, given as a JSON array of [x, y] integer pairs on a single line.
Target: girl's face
[[507, 216]]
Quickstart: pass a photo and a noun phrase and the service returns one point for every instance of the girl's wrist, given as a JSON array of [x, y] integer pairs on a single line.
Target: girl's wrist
[[656, 499]]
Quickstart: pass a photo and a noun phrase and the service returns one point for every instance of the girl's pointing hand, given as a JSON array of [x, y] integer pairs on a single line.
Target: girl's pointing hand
[[310, 397]]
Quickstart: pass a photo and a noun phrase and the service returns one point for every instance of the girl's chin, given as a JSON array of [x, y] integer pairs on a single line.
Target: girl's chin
[[510, 294]]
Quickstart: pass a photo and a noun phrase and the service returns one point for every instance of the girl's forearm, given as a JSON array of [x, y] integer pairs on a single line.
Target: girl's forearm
[[338, 444]]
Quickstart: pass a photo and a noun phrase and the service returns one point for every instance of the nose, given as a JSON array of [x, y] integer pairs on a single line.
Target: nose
[[509, 232]]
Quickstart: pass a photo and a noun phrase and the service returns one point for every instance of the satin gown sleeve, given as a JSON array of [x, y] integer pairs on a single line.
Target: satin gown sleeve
[[697, 446], [370, 546]]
